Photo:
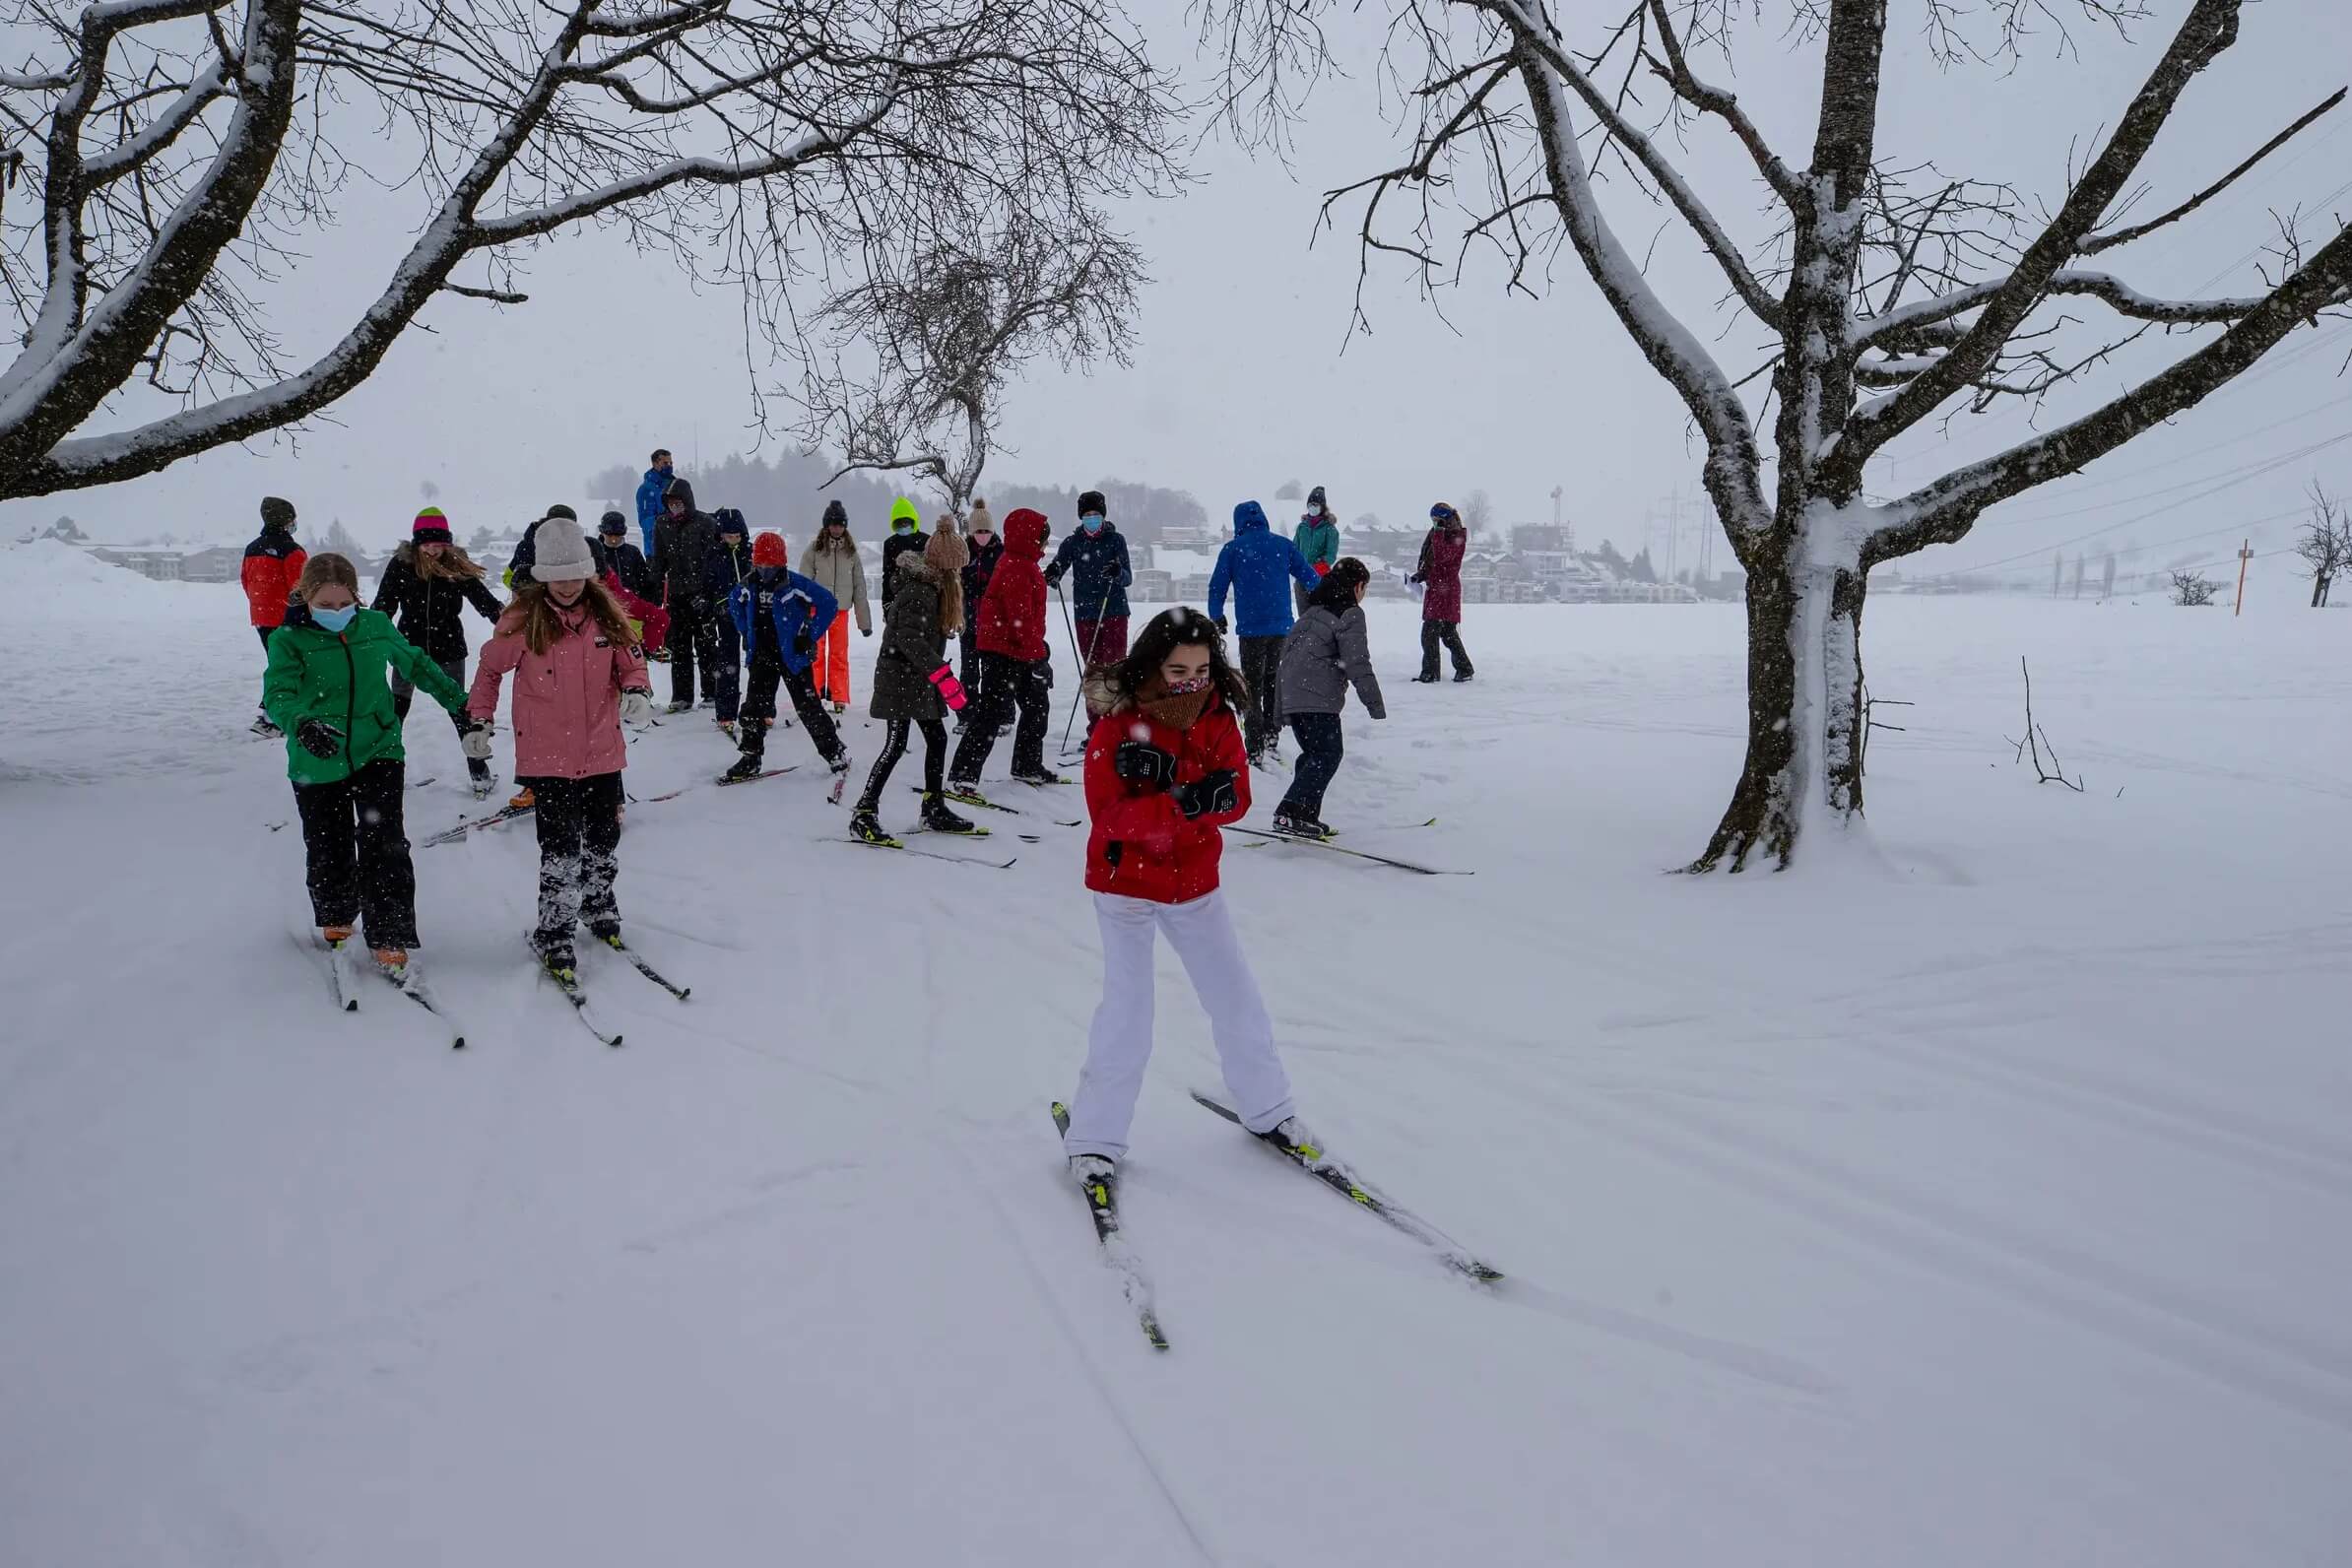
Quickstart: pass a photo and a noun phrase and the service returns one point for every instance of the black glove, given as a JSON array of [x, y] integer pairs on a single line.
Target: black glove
[[1045, 674], [1416, 577], [1053, 575], [1219, 623], [865, 631], [1210, 795], [1142, 762], [318, 737], [802, 641]]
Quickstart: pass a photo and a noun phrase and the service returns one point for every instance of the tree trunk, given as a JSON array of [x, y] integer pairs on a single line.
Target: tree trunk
[[1805, 714]]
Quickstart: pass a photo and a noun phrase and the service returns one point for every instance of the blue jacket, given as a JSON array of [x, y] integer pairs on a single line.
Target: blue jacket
[[1100, 560], [1258, 565], [793, 602], [649, 504]]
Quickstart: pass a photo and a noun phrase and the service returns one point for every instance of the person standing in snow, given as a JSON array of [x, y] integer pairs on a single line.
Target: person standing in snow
[[781, 618], [913, 688], [684, 561], [729, 566], [906, 533], [831, 560], [1439, 572], [1326, 653], [1099, 554], [426, 587], [1166, 772], [1016, 666], [579, 675], [326, 691], [652, 498], [622, 571], [1258, 565], [271, 567], [986, 550], [1318, 540]]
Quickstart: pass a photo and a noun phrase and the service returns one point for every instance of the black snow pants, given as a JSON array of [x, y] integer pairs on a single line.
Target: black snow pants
[[1007, 686], [579, 829], [1448, 633], [1261, 672], [759, 705], [694, 640], [358, 850], [1321, 746]]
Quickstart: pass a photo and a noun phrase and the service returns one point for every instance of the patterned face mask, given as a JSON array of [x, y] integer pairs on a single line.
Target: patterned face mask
[[1185, 689]]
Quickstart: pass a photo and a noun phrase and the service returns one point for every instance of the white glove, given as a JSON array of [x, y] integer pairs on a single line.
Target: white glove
[[635, 707], [477, 741]]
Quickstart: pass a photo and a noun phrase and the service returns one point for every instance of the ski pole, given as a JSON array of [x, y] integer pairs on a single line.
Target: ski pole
[[1085, 664]]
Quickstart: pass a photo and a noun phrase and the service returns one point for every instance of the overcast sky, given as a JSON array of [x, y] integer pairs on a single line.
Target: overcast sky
[[1247, 376]]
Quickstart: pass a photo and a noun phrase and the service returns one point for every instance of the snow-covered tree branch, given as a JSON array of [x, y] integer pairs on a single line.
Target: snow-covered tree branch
[[751, 144], [1889, 292]]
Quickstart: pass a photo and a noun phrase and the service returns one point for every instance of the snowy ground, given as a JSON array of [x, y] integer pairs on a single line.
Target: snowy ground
[[1979, 1197]]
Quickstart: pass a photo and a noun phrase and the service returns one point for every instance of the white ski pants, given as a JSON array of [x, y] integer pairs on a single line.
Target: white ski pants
[[1119, 1046]]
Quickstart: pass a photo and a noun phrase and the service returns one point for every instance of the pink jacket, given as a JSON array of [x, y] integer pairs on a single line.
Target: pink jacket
[[567, 700]]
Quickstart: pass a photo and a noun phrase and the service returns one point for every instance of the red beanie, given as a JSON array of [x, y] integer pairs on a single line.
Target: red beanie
[[768, 549], [432, 527]]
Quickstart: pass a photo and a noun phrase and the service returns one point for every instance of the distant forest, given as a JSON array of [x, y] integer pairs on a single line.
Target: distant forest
[[783, 494]]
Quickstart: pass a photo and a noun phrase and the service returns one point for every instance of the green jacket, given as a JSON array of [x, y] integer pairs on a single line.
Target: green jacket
[[315, 673], [1318, 540]]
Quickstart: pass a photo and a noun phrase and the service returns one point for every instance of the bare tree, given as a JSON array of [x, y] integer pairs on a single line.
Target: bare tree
[[1889, 294], [183, 151], [933, 345], [1478, 513], [2191, 588], [2326, 542]]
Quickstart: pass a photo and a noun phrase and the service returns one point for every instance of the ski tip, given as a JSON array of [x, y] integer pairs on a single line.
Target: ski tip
[[1061, 1114], [350, 1003], [458, 1044]]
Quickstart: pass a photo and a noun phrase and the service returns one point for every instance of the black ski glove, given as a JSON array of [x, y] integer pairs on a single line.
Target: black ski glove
[[803, 642], [318, 737], [1219, 623], [1210, 796], [1142, 762]]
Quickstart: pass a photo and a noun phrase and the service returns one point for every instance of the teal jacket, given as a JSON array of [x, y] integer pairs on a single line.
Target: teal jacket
[[1318, 538], [314, 674]]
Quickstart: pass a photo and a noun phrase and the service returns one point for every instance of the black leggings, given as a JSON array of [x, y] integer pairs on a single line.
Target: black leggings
[[935, 760]]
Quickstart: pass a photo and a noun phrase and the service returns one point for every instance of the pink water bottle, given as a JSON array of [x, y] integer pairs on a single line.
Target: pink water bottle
[[951, 690]]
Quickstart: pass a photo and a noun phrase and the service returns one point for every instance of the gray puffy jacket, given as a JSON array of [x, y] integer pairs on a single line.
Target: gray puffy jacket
[[1323, 656]]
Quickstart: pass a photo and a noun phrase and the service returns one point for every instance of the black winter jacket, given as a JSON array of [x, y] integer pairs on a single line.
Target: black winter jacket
[[688, 561], [628, 562], [430, 611], [976, 572]]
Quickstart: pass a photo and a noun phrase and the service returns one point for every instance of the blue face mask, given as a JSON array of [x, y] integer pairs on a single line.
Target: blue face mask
[[1092, 524], [334, 620]]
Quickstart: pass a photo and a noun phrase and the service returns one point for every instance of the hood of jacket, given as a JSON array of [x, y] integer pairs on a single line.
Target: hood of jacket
[[1248, 518], [903, 511], [678, 490], [1024, 533]]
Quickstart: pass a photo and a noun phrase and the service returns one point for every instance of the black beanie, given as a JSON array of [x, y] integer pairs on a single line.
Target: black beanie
[[563, 511], [1093, 503], [277, 512], [836, 512], [611, 523]]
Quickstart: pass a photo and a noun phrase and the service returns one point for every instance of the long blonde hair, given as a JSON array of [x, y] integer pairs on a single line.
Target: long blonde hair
[[542, 620], [453, 563], [946, 553]]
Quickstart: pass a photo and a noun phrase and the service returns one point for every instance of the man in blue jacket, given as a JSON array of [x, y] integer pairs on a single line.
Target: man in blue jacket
[[780, 615], [1258, 565], [650, 491], [1099, 554]]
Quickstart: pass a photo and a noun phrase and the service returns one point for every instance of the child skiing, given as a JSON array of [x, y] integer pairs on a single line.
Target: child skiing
[[426, 587], [1165, 771], [729, 565], [1016, 669], [578, 675], [1258, 564], [906, 534], [1327, 652], [272, 564], [326, 689], [684, 561], [1098, 556], [831, 560], [1439, 572], [986, 551], [780, 614], [913, 688]]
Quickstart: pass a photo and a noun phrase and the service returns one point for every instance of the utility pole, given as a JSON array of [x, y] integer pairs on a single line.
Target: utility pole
[[2244, 554]]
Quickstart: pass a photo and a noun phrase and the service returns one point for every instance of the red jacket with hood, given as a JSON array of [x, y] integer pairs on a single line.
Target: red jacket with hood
[[1011, 617], [1141, 846]]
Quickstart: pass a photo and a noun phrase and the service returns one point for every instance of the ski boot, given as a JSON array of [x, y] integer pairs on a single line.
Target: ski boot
[[478, 775], [840, 707], [1462, 675], [1092, 1172], [1301, 824], [1428, 679], [867, 828], [679, 707], [1293, 1139], [936, 818], [263, 726], [393, 962], [840, 767], [1038, 775], [555, 957], [524, 799], [334, 935], [727, 728], [966, 792], [746, 767], [606, 931]]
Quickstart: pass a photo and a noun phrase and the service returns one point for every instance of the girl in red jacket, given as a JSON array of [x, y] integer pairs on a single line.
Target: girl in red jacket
[[1165, 771], [1016, 666]]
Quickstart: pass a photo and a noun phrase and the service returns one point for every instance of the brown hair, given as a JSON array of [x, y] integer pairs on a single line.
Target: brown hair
[[453, 563], [326, 570], [946, 553], [542, 623]]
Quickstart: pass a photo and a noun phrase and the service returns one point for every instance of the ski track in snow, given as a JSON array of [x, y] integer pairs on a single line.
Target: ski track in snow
[[1975, 1192]]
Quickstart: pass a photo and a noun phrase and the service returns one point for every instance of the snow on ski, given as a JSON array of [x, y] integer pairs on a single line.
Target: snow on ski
[[340, 978], [636, 961], [570, 986], [1102, 1202], [504, 813], [1272, 836], [1342, 1179], [409, 983]]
